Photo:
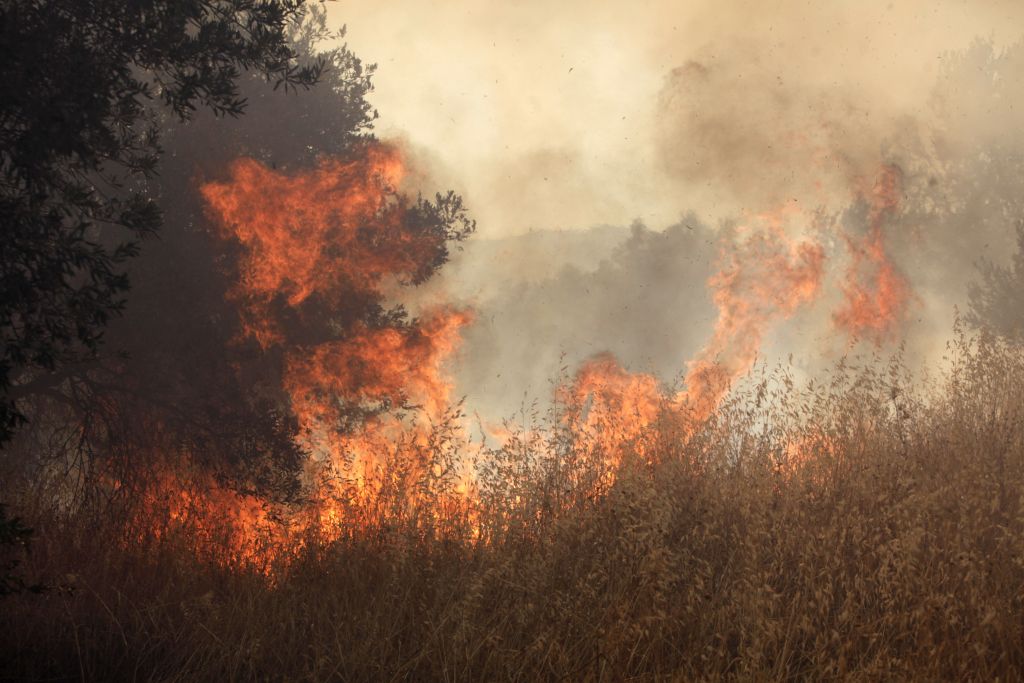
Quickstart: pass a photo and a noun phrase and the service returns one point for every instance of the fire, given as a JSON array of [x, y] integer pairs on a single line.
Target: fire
[[373, 368], [318, 248], [376, 367], [217, 523], [766, 274], [316, 251], [810, 454], [328, 235], [876, 295], [762, 277], [611, 407]]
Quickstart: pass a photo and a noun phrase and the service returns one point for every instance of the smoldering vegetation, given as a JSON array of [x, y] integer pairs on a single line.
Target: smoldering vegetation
[[755, 445]]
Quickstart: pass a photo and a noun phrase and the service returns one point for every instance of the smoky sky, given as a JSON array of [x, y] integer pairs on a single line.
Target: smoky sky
[[565, 125], [551, 115]]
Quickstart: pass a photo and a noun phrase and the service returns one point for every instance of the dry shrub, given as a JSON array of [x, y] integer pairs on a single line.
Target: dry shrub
[[867, 526]]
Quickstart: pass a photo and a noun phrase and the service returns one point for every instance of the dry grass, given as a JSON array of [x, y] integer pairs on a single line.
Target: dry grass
[[864, 528]]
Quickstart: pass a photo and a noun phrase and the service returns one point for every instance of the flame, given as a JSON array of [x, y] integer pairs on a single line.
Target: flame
[[390, 367], [609, 408], [334, 232], [762, 277], [217, 523], [875, 294], [811, 454], [317, 248]]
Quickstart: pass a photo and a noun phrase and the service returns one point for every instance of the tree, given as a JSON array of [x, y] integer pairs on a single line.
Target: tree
[[80, 123], [962, 190], [997, 301], [173, 375]]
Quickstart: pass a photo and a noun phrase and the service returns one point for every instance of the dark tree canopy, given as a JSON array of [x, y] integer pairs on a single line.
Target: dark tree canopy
[[172, 377], [86, 84], [181, 332]]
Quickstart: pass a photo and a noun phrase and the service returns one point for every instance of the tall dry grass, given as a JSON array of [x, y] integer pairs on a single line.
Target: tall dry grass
[[868, 526]]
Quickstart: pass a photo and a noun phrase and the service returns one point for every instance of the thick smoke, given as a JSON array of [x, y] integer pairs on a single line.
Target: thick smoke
[[742, 131], [904, 200], [646, 302], [551, 116]]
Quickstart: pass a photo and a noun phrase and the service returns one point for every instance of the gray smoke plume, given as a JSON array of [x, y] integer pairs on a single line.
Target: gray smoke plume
[[548, 300]]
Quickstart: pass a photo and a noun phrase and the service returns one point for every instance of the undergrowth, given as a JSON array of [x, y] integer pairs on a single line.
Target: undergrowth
[[867, 526]]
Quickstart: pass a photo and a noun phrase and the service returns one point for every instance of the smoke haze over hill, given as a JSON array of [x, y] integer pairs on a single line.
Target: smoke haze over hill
[[578, 116]]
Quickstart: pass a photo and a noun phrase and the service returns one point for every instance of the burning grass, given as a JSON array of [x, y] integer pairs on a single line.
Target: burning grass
[[866, 526]]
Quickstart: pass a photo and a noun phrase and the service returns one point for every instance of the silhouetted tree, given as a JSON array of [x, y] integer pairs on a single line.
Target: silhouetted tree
[[80, 126], [175, 376], [962, 188]]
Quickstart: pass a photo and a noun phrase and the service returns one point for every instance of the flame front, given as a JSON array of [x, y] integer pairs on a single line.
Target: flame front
[[318, 249], [876, 295], [609, 409], [762, 277], [333, 234]]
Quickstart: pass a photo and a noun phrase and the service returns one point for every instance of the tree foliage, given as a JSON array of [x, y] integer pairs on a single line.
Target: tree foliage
[[997, 301], [80, 129], [174, 377], [15, 539]]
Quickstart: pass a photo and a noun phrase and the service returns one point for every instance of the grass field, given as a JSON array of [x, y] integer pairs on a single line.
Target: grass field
[[866, 527]]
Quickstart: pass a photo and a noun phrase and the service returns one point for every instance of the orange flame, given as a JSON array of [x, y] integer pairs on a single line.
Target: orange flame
[[217, 523], [327, 240], [318, 245], [876, 295], [761, 278], [764, 276], [378, 366], [610, 407], [334, 232]]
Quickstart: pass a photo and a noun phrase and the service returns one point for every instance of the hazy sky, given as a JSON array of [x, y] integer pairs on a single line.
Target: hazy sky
[[553, 115], [577, 114]]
